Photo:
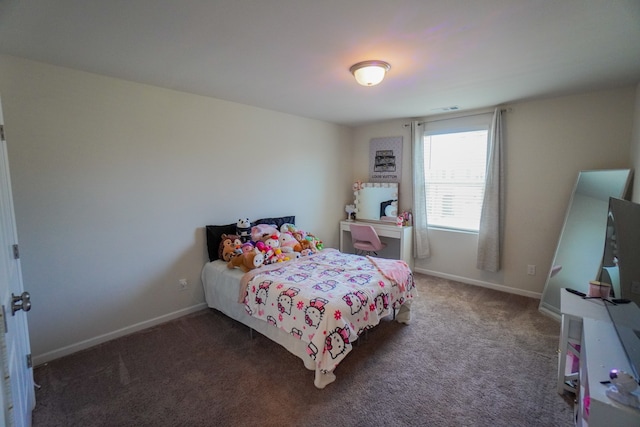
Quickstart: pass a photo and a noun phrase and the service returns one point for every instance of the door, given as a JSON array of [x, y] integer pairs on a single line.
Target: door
[[17, 398]]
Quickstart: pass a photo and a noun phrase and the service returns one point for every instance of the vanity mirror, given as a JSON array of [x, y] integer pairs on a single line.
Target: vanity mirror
[[376, 200], [578, 255]]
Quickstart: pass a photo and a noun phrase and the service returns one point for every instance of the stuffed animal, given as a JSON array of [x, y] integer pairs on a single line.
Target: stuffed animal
[[246, 247], [288, 227], [307, 246], [261, 232], [299, 235], [230, 248], [315, 242], [312, 241], [267, 252], [243, 229], [279, 256], [288, 243], [272, 241], [229, 245], [247, 261], [273, 244]]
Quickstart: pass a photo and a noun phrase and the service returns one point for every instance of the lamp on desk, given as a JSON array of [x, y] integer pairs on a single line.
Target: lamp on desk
[[350, 209]]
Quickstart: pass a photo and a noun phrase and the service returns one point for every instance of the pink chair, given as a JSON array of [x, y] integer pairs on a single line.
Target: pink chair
[[365, 239]]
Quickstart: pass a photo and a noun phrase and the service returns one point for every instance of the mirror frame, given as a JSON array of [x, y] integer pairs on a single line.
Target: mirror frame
[[360, 189], [589, 258]]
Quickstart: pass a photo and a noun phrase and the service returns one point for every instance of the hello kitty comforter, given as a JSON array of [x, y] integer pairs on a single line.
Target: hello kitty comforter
[[327, 300]]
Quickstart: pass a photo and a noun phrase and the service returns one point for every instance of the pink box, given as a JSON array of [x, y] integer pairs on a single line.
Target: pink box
[[599, 289]]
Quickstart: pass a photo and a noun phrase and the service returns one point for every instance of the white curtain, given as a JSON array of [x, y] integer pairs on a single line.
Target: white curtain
[[492, 217], [420, 234]]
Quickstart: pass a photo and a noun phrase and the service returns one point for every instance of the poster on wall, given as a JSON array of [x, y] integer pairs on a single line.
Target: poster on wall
[[385, 159]]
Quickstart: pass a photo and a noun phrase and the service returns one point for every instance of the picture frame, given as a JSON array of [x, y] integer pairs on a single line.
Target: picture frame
[[385, 159]]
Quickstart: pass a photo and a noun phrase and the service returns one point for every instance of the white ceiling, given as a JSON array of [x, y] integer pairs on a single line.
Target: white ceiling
[[293, 56]]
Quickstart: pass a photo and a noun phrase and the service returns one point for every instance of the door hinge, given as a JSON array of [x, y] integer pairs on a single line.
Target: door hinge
[[29, 362], [4, 319], [2, 132], [16, 252]]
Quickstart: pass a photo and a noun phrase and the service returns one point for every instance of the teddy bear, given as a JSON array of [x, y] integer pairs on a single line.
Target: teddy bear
[[299, 235], [307, 246], [243, 229], [247, 261]]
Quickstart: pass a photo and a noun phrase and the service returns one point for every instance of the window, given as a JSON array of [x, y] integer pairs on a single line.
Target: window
[[455, 163]]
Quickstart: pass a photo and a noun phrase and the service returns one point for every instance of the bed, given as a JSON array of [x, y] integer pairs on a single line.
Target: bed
[[315, 306]]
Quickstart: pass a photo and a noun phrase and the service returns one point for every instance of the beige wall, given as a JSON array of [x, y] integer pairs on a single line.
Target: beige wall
[[547, 143], [113, 182]]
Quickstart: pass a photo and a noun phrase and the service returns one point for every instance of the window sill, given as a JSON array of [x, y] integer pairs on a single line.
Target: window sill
[[452, 230]]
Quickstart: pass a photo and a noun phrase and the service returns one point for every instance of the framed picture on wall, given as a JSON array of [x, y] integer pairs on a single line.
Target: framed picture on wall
[[385, 159]]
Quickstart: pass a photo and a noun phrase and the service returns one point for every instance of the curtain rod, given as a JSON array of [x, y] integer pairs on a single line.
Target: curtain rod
[[503, 110]]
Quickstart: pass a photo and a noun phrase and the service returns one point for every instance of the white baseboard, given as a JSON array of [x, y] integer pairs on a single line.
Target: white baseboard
[[40, 359], [489, 285]]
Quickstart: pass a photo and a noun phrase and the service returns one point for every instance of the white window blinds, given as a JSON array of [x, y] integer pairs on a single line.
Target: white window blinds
[[455, 157]]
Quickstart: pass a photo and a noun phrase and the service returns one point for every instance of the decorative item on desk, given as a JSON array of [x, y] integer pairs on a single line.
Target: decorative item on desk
[[350, 209], [400, 221], [390, 209], [599, 289], [622, 387], [407, 218]]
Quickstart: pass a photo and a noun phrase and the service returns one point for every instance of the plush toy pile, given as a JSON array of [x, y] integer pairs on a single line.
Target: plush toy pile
[[265, 244]]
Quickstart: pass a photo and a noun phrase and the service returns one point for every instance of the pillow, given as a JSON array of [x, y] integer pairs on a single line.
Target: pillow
[[277, 222], [214, 238]]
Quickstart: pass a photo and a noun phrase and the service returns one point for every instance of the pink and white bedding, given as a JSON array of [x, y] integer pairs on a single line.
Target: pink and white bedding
[[327, 301]]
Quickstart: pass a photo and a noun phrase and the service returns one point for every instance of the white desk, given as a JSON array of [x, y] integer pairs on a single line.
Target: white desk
[[399, 239], [601, 352], [586, 326]]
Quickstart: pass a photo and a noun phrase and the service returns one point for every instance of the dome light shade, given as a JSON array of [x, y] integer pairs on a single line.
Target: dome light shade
[[369, 73]]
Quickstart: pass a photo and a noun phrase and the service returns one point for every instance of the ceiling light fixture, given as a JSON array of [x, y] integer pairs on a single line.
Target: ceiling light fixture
[[369, 73]]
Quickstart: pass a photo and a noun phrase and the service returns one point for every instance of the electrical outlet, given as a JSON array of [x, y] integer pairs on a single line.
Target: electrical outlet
[[531, 270], [183, 284], [635, 287]]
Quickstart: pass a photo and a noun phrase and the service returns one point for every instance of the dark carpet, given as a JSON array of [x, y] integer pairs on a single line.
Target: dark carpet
[[471, 357]]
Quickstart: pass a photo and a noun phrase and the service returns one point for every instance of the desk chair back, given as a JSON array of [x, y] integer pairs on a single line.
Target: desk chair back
[[365, 239]]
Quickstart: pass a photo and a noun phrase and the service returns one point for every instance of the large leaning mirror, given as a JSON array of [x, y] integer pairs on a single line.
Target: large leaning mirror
[[578, 256], [376, 200]]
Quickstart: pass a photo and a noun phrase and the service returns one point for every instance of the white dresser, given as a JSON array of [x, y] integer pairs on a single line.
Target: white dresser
[[399, 240]]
